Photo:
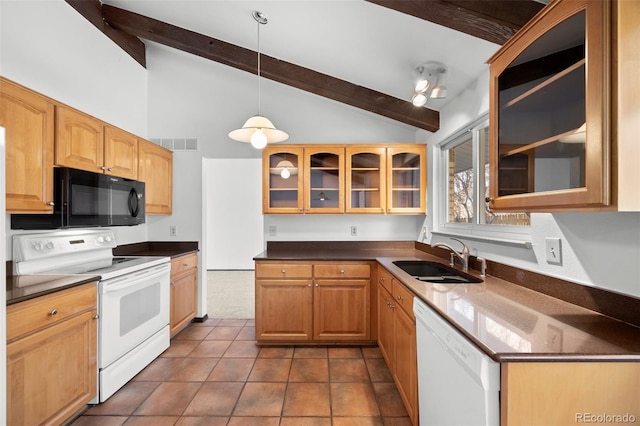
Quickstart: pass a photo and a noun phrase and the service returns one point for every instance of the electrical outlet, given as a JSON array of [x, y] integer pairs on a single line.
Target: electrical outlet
[[272, 230], [553, 250], [173, 230], [354, 230]]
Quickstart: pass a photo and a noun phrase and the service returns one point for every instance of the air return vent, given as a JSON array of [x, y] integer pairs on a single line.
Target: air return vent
[[177, 144]]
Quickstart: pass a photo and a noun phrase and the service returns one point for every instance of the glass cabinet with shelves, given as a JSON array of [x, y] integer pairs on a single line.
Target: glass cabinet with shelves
[[282, 180], [406, 190], [324, 174], [548, 101], [366, 179]]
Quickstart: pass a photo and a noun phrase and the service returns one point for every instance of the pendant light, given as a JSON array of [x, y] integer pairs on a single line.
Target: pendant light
[[258, 130]]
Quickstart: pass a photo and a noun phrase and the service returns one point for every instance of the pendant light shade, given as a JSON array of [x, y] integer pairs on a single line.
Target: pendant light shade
[[258, 130]]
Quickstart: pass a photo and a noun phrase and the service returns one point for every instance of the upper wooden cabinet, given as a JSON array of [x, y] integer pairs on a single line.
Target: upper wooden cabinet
[[407, 179], [366, 179], [28, 119], [86, 143], [155, 169], [561, 99], [344, 179]]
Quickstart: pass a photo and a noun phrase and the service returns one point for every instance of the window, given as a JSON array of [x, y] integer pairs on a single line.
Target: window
[[465, 165]]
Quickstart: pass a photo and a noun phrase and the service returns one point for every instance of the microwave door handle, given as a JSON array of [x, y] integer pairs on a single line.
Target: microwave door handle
[[134, 207]]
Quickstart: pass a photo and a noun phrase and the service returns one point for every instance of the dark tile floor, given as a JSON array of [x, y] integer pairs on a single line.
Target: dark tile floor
[[214, 374]]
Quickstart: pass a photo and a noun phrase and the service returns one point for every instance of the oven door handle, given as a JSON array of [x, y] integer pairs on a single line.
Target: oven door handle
[[118, 284]]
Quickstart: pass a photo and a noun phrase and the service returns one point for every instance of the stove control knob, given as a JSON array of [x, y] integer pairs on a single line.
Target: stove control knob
[[100, 240], [108, 238], [49, 245], [38, 246]]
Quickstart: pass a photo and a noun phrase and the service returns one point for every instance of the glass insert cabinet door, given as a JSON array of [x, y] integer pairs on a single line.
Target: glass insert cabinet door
[[549, 138], [366, 179], [324, 177], [283, 179], [406, 190]]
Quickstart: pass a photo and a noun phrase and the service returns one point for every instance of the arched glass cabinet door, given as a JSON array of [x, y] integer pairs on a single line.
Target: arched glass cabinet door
[[282, 180], [366, 179], [549, 111], [407, 171], [324, 180]]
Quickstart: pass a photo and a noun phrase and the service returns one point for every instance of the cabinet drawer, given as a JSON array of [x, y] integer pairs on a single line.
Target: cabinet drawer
[[283, 270], [183, 263], [402, 297], [342, 271], [26, 317], [384, 278]]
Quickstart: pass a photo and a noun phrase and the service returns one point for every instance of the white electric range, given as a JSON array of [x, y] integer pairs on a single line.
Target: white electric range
[[133, 297]]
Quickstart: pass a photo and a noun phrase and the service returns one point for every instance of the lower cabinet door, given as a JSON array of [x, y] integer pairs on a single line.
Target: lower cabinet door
[[385, 326], [406, 365], [183, 300], [52, 373], [284, 310], [341, 310]]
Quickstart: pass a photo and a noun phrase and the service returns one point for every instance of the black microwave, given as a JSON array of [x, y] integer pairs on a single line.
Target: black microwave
[[83, 199]]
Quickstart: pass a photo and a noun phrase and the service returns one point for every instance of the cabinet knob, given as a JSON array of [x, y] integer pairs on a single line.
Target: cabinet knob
[[103, 168], [53, 312], [96, 316], [308, 285], [488, 199], [400, 298], [110, 169], [342, 271], [51, 203], [284, 271], [317, 285], [185, 264]]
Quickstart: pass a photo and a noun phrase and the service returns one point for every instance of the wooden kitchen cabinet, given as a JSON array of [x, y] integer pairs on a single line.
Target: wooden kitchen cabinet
[[86, 143], [184, 292], [284, 301], [28, 119], [345, 179], [407, 180], [51, 356], [282, 192], [366, 179], [313, 302], [341, 302], [155, 169], [561, 393], [397, 338], [563, 92]]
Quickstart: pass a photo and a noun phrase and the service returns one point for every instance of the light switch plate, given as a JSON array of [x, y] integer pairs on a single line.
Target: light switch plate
[[553, 250]]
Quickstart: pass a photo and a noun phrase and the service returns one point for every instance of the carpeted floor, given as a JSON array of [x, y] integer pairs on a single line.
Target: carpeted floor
[[231, 294]]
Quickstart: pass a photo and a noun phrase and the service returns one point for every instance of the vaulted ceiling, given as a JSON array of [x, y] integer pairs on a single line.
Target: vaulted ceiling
[[357, 52]]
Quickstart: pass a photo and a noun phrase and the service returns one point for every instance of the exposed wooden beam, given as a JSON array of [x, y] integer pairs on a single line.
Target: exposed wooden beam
[[92, 11], [272, 68], [492, 20]]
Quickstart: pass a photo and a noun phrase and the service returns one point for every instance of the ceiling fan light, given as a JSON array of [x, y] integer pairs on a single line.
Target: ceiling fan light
[[419, 99]]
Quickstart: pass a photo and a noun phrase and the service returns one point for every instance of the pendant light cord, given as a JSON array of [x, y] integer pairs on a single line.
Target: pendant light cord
[[258, 67]]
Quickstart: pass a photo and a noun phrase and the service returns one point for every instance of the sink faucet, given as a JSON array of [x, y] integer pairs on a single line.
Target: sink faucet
[[462, 255]]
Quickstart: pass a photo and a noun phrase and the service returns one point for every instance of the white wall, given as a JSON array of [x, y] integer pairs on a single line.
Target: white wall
[[598, 249], [50, 48], [234, 212]]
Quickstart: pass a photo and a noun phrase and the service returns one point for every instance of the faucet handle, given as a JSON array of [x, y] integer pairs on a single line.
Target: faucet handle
[[483, 266]]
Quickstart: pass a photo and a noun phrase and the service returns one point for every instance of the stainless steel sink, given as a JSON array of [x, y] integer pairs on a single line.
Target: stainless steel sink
[[435, 272]]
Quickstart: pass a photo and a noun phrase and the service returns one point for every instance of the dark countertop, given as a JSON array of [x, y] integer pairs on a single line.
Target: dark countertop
[[25, 287], [157, 248], [507, 321]]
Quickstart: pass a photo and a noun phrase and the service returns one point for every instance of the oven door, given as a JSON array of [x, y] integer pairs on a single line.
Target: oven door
[[132, 308]]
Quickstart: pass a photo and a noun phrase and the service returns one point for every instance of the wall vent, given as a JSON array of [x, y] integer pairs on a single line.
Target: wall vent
[[177, 144]]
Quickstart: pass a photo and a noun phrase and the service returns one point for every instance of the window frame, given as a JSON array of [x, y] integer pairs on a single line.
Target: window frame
[[502, 234]]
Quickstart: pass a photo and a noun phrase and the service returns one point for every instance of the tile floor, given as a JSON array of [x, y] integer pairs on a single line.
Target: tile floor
[[214, 374]]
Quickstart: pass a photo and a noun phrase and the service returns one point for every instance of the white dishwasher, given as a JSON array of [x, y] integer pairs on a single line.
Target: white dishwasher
[[458, 384]]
